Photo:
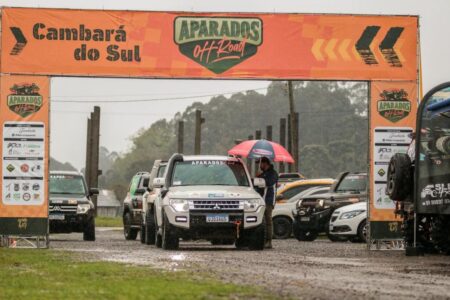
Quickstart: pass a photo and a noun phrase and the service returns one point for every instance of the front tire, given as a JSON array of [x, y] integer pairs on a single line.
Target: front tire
[[303, 235], [129, 232], [440, 233], [282, 228], [170, 240], [150, 229], [257, 237], [362, 231], [89, 230]]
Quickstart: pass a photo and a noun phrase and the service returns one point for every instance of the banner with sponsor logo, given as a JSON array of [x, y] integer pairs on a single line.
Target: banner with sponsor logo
[[24, 140], [208, 45], [393, 111]]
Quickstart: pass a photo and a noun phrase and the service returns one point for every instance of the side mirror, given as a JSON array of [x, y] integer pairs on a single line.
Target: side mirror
[[93, 191], [146, 182], [140, 191], [259, 183], [159, 182]]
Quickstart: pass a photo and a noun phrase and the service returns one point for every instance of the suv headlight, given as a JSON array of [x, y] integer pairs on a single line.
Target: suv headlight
[[179, 205], [351, 214], [251, 204], [83, 208]]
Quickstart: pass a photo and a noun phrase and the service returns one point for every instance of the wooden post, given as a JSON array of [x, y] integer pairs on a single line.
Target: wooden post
[[289, 140], [295, 142], [180, 136], [257, 137], [95, 147], [282, 139], [294, 129], [87, 168], [249, 161], [198, 131], [269, 132]]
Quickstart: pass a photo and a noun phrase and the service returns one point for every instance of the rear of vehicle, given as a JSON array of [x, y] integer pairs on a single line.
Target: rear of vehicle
[[132, 205], [70, 207], [350, 221], [212, 198]]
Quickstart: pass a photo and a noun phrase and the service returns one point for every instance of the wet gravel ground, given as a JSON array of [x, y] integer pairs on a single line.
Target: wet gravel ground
[[320, 269]]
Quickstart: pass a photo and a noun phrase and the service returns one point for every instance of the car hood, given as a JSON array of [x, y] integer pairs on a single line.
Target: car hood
[[356, 206], [68, 199], [212, 192]]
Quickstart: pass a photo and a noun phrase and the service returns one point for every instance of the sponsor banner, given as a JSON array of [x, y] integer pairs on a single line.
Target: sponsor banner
[[385, 230], [393, 109], [24, 111], [208, 45]]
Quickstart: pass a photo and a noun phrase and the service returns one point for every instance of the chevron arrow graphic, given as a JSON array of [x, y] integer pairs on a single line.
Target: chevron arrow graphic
[[316, 50], [21, 41], [342, 49], [363, 45], [329, 49], [387, 46]]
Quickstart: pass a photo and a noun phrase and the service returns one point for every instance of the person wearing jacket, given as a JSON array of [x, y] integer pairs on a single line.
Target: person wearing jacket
[[270, 176]]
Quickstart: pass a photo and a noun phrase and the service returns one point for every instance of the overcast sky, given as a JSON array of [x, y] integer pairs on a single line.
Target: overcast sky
[[119, 121]]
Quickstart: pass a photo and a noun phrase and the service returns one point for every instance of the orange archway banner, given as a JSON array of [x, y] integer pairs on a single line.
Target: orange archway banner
[[98, 43], [208, 45]]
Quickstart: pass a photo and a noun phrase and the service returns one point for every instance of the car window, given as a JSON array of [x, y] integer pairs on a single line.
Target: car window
[[67, 184], [310, 191], [295, 190], [209, 172], [161, 171], [134, 184], [353, 183]]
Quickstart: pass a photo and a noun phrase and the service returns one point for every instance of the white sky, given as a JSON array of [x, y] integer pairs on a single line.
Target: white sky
[[119, 121]]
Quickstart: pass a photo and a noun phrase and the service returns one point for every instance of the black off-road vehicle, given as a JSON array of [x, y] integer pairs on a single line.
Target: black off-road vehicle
[[419, 181], [70, 207], [313, 213]]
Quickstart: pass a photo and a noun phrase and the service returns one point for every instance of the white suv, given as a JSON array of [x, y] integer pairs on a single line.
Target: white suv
[[212, 198], [350, 221]]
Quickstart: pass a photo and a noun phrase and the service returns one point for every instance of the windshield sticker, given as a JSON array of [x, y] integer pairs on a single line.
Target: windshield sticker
[[208, 162]]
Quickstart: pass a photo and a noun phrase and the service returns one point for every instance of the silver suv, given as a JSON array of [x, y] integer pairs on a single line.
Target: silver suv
[[212, 198]]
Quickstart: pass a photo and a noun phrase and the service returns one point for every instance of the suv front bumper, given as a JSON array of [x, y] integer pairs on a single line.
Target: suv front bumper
[[69, 222], [317, 221]]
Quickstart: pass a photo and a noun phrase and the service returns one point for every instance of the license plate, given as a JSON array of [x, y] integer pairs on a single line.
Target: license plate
[[56, 217], [304, 219], [216, 218]]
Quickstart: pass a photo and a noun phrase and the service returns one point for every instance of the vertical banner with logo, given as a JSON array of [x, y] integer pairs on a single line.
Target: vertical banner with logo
[[24, 142], [393, 111]]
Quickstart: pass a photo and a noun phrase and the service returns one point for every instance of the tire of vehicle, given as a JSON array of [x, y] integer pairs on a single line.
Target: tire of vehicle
[[170, 240], [150, 229], [89, 230], [142, 234], [257, 237], [282, 228], [399, 177], [241, 242], [336, 238], [362, 231], [440, 233], [158, 237], [128, 232], [305, 236]]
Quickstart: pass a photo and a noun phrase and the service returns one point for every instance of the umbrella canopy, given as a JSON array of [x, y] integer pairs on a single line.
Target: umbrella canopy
[[254, 149]]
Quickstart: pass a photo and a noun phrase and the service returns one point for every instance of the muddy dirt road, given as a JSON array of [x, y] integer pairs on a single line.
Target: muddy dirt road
[[319, 269]]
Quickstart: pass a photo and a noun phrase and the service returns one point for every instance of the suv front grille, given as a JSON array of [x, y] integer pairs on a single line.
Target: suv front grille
[[63, 208], [216, 205]]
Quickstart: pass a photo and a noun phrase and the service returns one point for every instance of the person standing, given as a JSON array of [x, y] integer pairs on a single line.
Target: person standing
[[270, 176]]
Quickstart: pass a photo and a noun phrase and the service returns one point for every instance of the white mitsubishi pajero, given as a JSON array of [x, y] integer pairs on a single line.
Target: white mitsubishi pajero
[[212, 198]]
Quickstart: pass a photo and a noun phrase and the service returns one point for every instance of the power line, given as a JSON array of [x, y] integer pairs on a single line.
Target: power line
[[155, 99]]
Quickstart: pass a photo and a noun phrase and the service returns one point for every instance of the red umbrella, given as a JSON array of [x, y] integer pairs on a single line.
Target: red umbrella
[[254, 149]]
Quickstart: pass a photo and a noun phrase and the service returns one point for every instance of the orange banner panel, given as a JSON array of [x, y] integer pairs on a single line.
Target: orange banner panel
[[24, 142], [393, 110], [208, 45]]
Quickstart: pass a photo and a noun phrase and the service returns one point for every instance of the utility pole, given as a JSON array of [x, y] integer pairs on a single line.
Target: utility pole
[[92, 152], [249, 161], [180, 136], [198, 131], [257, 137], [294, 129], [282, 139], [289, 139], [269, 132]]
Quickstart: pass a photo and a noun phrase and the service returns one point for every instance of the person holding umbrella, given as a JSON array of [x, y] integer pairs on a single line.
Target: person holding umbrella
[[270, 176], [265, 151]]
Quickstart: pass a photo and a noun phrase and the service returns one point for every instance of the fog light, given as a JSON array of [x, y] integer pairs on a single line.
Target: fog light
[[181, 219], [251, 219]]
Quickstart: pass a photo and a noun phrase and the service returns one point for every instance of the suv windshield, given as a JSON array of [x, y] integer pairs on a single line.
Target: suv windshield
[[353, 183], [209, 172], [67, 184]]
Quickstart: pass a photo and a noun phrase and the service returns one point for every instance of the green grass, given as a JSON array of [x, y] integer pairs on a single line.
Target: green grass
[[48, 274], [108, 222]]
